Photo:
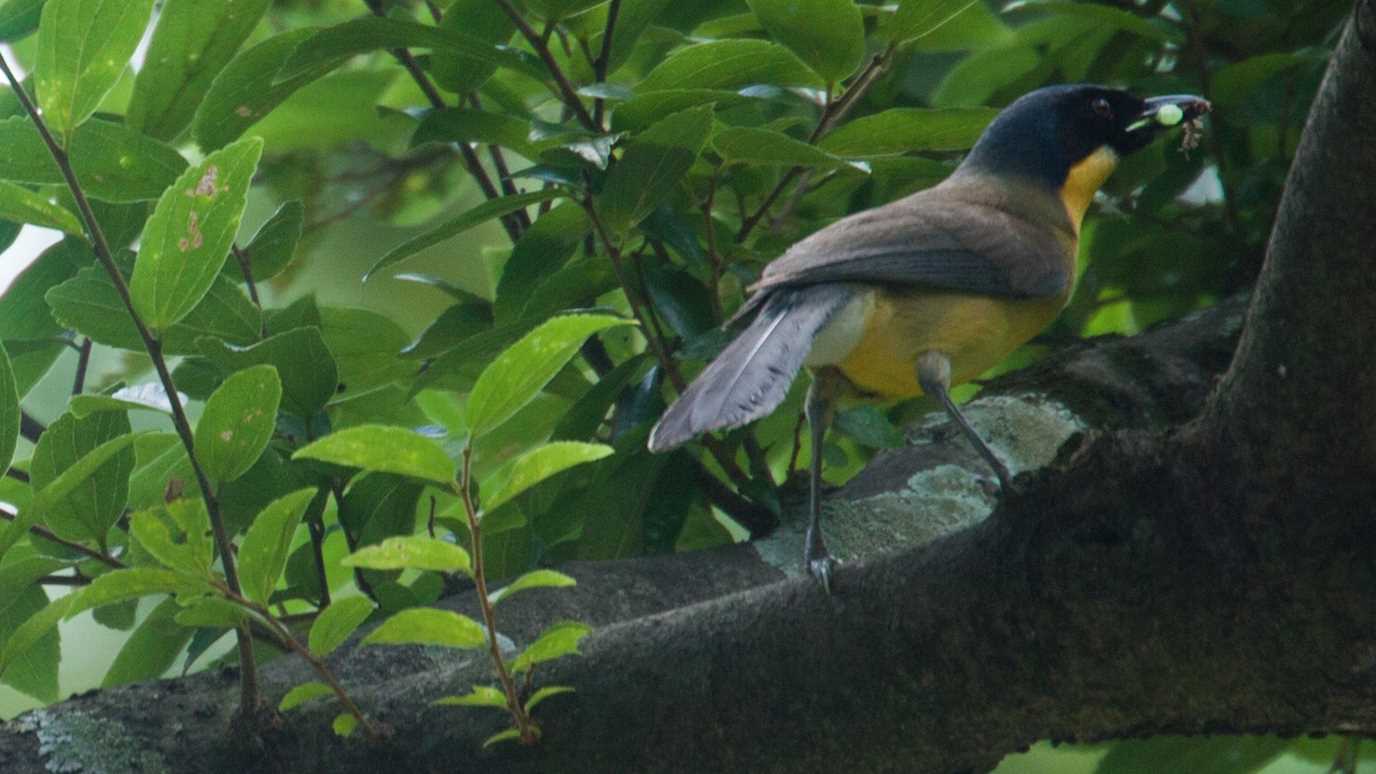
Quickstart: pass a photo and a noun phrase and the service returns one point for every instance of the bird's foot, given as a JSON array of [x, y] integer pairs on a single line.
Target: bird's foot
[[817, 560]]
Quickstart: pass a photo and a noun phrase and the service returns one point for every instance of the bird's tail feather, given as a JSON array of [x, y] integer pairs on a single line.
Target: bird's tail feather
[[751, 377]]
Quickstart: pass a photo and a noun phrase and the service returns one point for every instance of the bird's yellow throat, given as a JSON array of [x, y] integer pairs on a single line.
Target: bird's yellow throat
[[1084, 179]]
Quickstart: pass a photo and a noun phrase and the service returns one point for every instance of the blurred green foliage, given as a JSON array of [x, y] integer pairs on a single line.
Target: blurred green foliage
[[495, 178]]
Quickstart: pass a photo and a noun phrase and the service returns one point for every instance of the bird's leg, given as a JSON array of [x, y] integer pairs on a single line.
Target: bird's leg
[[817, 560], [934, 375]]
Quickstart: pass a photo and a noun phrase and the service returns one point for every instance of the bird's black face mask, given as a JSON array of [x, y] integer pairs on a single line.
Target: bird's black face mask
[[1072, 123]]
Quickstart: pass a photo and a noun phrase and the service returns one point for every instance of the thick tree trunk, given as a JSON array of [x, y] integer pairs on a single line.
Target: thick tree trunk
[[1215, 577]]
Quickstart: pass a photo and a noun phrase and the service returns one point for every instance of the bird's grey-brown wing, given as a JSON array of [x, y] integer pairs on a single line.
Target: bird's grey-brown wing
[[964, 237]]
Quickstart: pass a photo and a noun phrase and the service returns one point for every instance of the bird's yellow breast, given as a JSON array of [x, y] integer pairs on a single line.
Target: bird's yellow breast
[[975, 332]]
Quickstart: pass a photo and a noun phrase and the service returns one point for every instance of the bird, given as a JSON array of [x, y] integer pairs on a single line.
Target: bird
[[928, 291]]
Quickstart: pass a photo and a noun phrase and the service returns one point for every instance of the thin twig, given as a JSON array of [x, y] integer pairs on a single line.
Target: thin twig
[[249, 696], [285, 638], [832, 113], [31, 429], [656, 344], [64, 580], [541, 47], [713, 251], [83, 362], [513, 699], [246, 269], [47, 534], [470, 159], [604, 59]]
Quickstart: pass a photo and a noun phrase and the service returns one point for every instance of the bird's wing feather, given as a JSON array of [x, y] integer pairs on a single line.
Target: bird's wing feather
[[944, 238]]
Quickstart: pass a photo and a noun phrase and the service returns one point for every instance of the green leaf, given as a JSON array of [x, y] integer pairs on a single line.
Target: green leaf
[[978, 77], [1103, 15], [509, 735], [132, 583], [112, 162], [429, 626], [36, 629], [585, 416], [83, 505], [485, 21], [493, 208], [193, 41], [634, 18], [246, 89], [192, 554], [557, 641], [32, 360], [212, 613], [384, 448], [644, 109], [480, 696], [535, 579], [477, 126], [542, 462], [23, 311], [19, 18], [544, 693], [897, 131], [729, 64], [89, 304], [84, 47], [148, 396], [336, 622], [34, 671], [827, 34], [332, 46], [365, 346], [150, 649], [20, 205], [189, 234], [553, 10], [274, 246], [543, 249], [303, 693], [9, 410], [344, 724], [264, 551], [1198, 755], [653, 165], [522, 371], [304, 364], [868, 426], [238, 422], [919, 18], [765, 146], [413, 552]]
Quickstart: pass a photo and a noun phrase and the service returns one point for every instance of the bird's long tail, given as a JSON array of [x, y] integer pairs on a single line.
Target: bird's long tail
[[751, 377]]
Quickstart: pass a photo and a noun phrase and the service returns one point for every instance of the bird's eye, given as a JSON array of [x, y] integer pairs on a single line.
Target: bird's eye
[[1102, 108]]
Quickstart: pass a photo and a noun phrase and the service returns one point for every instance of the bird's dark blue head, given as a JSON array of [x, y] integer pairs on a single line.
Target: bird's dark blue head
[[1069, 138]]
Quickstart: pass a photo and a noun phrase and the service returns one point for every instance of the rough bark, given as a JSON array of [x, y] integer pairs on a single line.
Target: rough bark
[[1212, 577]]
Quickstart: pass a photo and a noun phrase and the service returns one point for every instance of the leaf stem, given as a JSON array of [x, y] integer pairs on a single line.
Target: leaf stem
[[47, 534], [249, 698], [541, 47], [524, 724], [470, 159]]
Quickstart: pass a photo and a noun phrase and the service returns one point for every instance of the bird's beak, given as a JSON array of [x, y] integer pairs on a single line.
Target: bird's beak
[[1173, 110]]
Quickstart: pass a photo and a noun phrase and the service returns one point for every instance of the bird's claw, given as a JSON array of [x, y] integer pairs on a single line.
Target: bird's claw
[[817, 560]]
